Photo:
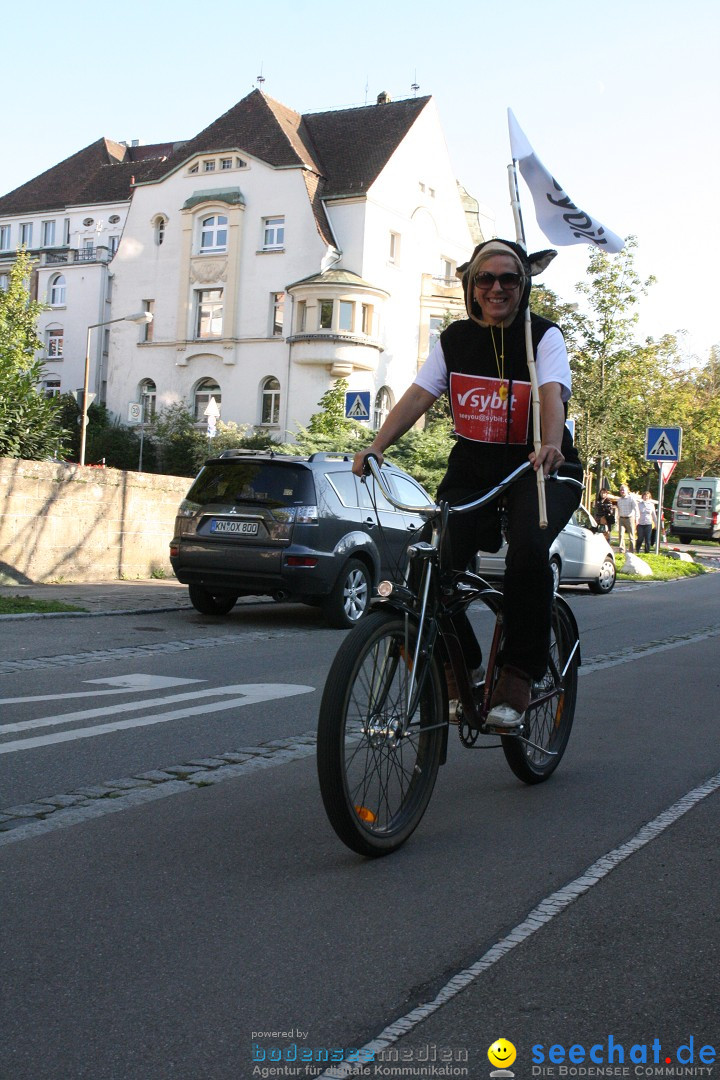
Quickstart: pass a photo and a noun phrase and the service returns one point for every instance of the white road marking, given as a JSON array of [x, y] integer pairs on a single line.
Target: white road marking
[[546, 910], [128, 684], [248, 694]]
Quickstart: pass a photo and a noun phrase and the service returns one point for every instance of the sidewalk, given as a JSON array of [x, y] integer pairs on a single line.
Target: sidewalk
[[106, 597]]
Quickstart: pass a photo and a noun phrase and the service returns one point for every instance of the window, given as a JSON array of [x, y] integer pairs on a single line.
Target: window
[[278, 304], [113, 242], [205, 390], [209, 318], [51, 386], [226, 163], [66, 231], [436, 328], [148, 328], [160, 223], [383, 405], [273, 233], [394, 253], [55, 343], [408, 491], [213, 233], [447, 271], [4, 237], [209, 166], [347, 315], [326, 313], [4, 282], [26, 234], [114, 219], [301, 315], [270, 408], [57, 290], [148, 394], [367, 318], [193, 169], [48, 233]]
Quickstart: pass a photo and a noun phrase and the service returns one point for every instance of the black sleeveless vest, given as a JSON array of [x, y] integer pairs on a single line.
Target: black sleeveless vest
[[468, 350]]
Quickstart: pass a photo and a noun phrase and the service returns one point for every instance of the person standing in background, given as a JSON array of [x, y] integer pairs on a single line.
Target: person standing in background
[[627, 517], [646, 520]]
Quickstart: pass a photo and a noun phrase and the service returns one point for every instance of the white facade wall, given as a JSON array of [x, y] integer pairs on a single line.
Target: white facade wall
[[169, 275], [429, 225], [87, 299]]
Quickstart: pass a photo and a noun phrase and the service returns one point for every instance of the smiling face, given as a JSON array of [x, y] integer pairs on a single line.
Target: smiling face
[[502, 1054], [499, 302]]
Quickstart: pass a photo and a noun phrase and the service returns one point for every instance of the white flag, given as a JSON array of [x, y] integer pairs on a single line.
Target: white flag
[[557, 215]]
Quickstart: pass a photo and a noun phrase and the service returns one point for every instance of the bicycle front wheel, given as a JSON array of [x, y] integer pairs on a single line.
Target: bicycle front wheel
[[378, 752], [549, 718]]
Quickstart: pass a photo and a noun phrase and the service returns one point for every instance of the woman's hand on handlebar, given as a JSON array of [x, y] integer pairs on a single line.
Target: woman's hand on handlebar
[[549, 457], [359, 459]]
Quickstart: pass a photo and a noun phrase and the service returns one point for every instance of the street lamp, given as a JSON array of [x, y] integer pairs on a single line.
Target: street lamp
[[141, 318]]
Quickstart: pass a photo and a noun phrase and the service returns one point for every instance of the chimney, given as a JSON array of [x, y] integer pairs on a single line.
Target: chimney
[[383, 98]]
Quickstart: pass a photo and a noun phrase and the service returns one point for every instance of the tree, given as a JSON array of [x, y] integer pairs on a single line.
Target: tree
[[30, 424]]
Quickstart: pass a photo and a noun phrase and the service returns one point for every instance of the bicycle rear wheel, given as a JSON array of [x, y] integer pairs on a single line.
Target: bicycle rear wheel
[[376, 781], [548, 720]]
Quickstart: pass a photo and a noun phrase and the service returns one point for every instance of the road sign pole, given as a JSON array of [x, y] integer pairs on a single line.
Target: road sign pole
[[659, 515]]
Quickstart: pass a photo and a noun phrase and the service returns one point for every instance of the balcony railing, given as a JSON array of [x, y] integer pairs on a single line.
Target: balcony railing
[[63, 256]]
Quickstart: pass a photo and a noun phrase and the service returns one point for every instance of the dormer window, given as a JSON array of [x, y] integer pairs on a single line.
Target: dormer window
[[209, 166], [213, 233]]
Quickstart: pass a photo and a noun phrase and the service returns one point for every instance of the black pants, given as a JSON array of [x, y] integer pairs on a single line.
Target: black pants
[[528, 588], [644, 536]]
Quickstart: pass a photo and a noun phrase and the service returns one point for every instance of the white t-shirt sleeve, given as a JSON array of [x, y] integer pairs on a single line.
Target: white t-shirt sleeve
[[433, 375], [551, 362]]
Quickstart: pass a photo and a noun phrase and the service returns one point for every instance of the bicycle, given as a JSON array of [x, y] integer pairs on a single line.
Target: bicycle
[[384, 721]]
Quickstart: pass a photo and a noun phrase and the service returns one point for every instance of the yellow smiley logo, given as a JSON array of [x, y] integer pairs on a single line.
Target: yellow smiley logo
[[502, 1053]]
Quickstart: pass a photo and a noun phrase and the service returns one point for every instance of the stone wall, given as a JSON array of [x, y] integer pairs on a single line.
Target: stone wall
[[63, 522]]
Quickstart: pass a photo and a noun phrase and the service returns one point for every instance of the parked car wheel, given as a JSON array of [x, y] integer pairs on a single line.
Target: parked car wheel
[[605, 580], [350, 598], [208, 603], [555, 567]]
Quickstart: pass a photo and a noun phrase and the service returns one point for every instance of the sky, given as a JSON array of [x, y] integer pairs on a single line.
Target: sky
[[620, 101]]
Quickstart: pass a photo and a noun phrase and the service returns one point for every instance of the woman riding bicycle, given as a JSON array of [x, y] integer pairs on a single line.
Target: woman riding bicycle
[[481, 363]]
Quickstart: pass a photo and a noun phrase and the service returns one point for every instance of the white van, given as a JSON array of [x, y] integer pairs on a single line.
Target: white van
[[696, 509]]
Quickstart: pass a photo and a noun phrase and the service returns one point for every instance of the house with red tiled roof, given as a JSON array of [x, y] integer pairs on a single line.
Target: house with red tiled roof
[[276, 252]]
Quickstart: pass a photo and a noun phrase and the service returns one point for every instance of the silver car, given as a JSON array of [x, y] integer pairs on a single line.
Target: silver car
[[580, 555]]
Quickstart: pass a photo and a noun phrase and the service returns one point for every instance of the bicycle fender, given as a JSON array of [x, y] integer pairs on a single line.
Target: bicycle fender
[[563, 606]]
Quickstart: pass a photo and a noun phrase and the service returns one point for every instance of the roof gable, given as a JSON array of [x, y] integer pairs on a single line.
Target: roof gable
[[101, 172]]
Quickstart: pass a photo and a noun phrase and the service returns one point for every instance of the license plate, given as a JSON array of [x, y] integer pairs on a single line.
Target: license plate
[[234, 528]]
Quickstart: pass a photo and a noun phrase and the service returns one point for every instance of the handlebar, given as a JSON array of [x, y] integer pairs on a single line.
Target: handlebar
[[372, 468]]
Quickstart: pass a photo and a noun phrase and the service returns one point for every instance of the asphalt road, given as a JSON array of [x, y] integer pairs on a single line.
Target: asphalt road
[[183, 926]]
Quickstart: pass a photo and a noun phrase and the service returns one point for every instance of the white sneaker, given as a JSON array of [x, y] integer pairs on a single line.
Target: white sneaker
[[505, 717]]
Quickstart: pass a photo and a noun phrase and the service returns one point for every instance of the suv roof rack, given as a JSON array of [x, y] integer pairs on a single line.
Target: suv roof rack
[[329, 455], [239, 452]]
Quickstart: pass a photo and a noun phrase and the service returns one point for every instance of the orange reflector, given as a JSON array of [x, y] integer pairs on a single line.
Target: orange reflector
[[364, 814]]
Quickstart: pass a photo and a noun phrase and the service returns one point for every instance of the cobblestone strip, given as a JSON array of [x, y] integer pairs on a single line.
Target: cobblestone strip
[[131, 652], [94, 800], [636, 652]]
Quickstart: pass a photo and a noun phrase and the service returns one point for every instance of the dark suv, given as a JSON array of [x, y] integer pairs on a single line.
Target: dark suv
[[295, 528]]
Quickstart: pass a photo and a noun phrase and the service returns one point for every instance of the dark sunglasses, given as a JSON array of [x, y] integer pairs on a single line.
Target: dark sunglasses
[[486, 280]]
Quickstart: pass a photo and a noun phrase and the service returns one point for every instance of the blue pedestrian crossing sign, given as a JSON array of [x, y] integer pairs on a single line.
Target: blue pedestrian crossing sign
[[357, 404], [663, 443]]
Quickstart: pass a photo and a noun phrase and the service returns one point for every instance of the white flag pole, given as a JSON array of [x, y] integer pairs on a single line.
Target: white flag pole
[[530, 352]]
